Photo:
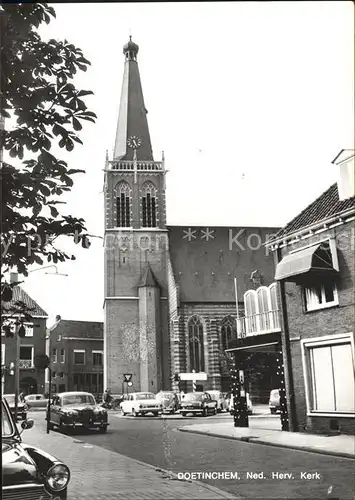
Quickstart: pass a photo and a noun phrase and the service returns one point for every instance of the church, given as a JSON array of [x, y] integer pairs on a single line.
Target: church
[[174, 295]]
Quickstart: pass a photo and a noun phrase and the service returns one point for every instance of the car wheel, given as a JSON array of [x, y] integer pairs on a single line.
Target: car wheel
[[135, 413], [215, 411], [123, 413], [103, 429], [273, 411], [155, 414], [205, 412], [183, 414]]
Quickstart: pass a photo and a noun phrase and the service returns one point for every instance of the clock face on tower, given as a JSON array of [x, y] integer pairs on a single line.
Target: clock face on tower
[[134, 142]]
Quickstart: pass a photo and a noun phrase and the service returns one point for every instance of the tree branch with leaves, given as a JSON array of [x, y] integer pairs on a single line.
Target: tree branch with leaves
[[40, 108]]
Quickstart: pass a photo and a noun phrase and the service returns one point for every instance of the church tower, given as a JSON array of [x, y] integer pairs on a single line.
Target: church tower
[[136, 337]]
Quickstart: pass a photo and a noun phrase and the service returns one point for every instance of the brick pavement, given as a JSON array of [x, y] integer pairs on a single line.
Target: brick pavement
[[99, 474]]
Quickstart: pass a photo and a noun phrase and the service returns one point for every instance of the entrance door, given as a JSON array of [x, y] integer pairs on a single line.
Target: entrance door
[[28, 385]]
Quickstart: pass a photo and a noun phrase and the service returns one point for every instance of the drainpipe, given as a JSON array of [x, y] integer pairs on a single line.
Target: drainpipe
[[285, 336]]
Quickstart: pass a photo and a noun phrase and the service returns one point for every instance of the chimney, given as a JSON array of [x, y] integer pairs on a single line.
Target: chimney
[[345, 164], [13, 278]]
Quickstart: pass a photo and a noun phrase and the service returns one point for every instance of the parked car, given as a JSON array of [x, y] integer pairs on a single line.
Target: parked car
[[21, 406], [141, 403], [71, 410], [198, 403], [36, 401], [219, 397], [28, 472], [249, 404], [170, 401], [274, 401]]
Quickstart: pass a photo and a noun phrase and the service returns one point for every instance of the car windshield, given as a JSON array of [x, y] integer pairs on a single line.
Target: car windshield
[[145, 395], [193, 397], [7, 427], [78, 399], [166, 396]]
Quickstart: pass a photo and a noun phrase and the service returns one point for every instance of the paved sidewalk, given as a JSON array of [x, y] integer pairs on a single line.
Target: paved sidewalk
[[336, 445], [99, 474]]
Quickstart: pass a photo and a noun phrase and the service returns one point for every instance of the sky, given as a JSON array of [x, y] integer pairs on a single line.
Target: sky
[[250, 103]]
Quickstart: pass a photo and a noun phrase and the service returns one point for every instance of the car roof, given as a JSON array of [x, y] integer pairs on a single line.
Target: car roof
[[143, 392], [74, 393]]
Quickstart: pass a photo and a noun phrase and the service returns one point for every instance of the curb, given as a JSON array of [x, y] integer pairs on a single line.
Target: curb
[[256, 440], [167, 474]]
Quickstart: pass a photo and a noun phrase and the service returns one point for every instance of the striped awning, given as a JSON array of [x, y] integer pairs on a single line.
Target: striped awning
[[306, 263]]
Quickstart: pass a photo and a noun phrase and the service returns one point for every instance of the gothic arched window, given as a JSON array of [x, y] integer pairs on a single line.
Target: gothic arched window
[[123, 204], [196, 345], [149, 205], [227, 332]]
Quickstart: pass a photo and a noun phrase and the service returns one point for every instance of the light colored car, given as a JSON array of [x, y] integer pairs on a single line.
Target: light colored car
[[21, 406], [249, 404], [36, 401], [169, 400], [141, 403], [274, 401], [219, 397]]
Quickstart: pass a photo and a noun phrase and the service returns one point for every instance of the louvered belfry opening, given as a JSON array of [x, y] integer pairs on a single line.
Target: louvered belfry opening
[[149, 214], [123, 201]]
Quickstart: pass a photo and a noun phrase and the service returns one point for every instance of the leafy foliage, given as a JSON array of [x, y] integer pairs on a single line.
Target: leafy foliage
[[40, 108]]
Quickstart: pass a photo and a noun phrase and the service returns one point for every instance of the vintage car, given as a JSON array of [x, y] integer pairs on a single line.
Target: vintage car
[[28, 472], [36, 401], [219, 397], [169, 400], [274, 401], [141, 403], [199, 403], [21, 406], [73, 410], [249, 404]]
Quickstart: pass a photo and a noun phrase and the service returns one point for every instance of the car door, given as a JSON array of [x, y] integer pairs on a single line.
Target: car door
[[209, 404], [55, 409]]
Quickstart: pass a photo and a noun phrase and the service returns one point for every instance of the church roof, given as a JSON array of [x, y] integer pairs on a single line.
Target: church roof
[[205, 261], [148, 278], [132, 120]]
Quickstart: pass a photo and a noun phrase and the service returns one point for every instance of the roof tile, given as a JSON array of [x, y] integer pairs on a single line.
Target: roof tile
[[325, 206]]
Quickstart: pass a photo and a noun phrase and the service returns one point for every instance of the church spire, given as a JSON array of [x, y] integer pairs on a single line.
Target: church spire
[[132, 120]]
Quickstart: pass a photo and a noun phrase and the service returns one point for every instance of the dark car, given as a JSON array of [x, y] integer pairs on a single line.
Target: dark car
[[28, 472], [169, 400], [198, 402], [21, 406], [71, 410]]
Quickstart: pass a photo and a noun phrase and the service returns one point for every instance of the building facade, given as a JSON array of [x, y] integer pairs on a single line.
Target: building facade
[[75, 349], [315, 272], [171, 292], [32, 380]]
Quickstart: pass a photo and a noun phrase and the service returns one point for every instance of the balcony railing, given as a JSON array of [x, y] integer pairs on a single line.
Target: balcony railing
[[140, 165], [25, 363], [258, 323]]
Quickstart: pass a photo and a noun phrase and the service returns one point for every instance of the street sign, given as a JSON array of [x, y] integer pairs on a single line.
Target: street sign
[[193, 376], [129, 384], [127, 377]]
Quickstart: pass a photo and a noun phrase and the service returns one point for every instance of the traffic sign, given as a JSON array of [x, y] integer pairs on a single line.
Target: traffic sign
[[129, 384], [193, 376], [127, 377]]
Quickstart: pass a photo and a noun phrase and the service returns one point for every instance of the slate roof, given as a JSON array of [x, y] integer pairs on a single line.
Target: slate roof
[[206, 262], [325, 206], [19, 295], [82, 329]]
